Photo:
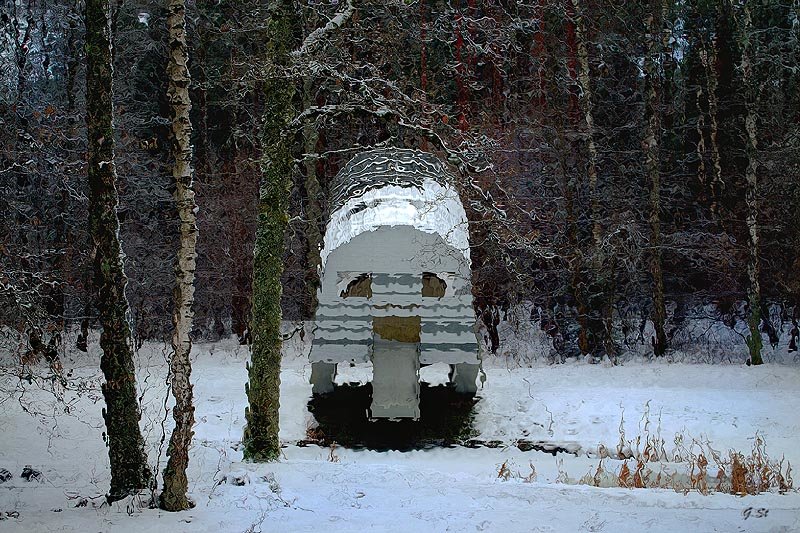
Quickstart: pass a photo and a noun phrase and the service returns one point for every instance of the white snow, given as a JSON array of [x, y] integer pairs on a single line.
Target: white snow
[[432, 209], [574, 405]]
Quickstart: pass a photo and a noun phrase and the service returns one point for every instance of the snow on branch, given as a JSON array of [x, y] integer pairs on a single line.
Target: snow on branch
[[315, 36]]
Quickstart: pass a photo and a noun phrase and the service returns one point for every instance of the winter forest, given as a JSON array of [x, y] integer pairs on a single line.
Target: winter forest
[[451, 265]]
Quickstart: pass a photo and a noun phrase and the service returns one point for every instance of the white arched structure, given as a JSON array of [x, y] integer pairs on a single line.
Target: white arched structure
[[395, 279]]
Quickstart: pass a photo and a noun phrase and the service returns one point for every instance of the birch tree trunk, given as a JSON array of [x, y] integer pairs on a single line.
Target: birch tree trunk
[[754, 341], [129, 470], [260, 440], [709, 60], [173, 497], [652, 147]]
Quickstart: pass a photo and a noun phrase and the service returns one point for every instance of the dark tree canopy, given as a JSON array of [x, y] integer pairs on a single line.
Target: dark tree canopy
[[556, 116]]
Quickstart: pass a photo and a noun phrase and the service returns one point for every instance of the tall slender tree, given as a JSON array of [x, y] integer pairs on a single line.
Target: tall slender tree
[[571, 187], [173, 497], [261, 441], [586, 100], [596, 327], [652, 147], [129, 469], [746, 37], [708, 57], [313, 190]]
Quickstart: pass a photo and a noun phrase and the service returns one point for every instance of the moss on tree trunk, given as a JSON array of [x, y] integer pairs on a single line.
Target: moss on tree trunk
[[263, 389], [129, 470]]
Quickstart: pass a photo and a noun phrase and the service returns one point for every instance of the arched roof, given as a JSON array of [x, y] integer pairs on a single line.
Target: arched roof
[[395, 187]]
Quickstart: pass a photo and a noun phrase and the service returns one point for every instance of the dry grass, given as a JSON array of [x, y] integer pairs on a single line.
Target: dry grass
[[646, 464], [332, 456], [531, 477], [504, 472], [692, 466], [756, 473], [736, 473]]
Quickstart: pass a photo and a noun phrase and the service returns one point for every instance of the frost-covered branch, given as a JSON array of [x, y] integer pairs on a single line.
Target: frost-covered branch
[[316, 36]]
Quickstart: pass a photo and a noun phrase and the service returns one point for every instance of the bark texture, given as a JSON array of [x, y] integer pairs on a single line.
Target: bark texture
[[596, 319], [652, 148], [708, 57], [173, 497], [754, 341], [315, 196], [129, 470], [263, 389], [586, 105], [571, 188]]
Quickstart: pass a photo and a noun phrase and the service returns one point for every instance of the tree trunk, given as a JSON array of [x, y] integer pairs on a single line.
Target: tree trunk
[[574, 258], [571, 190], [539, 52], [754, 341], [599, 309], [461, 74], [173, 497], [708, 56], [129, 469], [652, 147], [263, 389], [586, 105], [423, 61], [313, 205]]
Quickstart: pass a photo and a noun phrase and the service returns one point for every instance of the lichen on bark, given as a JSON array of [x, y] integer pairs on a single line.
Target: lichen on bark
[[754, 341], [174, 496], [260, 440], [129, 469]]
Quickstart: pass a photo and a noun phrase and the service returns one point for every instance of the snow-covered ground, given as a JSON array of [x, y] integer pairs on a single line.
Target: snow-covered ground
[[574, 406]]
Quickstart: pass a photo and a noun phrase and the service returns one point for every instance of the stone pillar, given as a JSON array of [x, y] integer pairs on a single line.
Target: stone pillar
[[463, 377], [395, 380], [322, 376]]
